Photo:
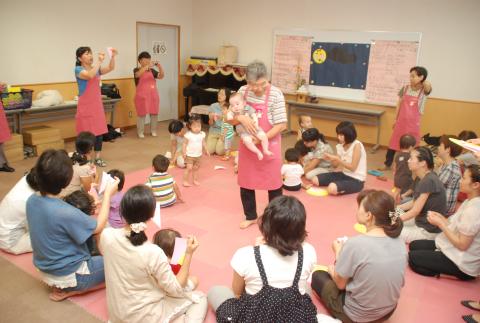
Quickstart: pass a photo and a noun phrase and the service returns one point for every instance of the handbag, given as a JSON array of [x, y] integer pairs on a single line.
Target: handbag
[[110, 90]]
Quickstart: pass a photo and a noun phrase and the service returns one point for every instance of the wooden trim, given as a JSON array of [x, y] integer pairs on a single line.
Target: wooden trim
[[453, 100], [74, 82]]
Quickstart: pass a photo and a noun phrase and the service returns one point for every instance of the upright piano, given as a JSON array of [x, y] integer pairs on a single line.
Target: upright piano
[[207, 80]]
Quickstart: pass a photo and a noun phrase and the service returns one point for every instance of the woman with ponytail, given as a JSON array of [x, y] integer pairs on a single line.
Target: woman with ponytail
[[365, 282], [141, 286], [90, 112], [428, 195], [14, 235]]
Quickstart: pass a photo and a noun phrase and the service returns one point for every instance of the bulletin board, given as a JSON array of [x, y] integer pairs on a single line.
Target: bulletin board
[[361, 66]]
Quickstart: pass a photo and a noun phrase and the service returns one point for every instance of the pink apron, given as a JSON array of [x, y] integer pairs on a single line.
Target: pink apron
[[90, 113], [408, 121], [146, 96], [263, 174], [4, 129]]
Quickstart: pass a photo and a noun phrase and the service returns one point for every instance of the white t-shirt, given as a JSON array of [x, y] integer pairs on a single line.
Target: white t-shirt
[[360, 172], [194, 145], [13, 216], [466, 221], [280, 270], [292, 174]]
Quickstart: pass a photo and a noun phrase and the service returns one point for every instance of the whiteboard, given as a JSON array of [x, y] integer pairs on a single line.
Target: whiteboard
[[345, 36]]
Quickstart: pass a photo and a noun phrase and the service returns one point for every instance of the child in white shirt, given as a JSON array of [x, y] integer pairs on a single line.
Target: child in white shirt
[[193, 146], [292, 171]]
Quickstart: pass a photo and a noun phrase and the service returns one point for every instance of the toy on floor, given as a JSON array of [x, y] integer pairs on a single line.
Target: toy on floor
[[320, 267], [378, 174], [316, 191], [360, 228]]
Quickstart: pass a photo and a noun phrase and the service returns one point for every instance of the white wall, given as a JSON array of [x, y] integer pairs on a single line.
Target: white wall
[[450, 46], [39, 38]]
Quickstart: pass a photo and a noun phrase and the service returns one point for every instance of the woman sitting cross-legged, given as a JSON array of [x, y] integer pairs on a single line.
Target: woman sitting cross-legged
[[365, 282], [59, 231], [141, 286], [270, 280], [455, 251]]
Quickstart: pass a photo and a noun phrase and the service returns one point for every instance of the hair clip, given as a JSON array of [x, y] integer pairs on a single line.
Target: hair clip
[[394, 215], [138, 227]]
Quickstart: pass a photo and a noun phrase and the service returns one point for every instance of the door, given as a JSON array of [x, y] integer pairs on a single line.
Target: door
[[161, 41]]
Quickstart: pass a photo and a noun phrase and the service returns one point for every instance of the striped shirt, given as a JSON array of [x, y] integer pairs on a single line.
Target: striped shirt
[[162, 187], [450, 176], [277, 112], [227, 129]]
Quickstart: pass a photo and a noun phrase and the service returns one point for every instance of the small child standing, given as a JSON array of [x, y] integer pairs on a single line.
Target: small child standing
[[165, 239], [292, 171], [402, 179], [114, 218], [227, 134], [85, 203], [177, 130], [163, 185], [449, 173], [305, 122], [193, 146], [238, 107]]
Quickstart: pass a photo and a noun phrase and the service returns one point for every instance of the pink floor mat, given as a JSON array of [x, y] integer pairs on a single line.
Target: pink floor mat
[[212, 211]]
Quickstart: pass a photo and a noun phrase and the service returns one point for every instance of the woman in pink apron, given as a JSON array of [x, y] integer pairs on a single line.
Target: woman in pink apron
[[90, 112], [410, 107], [254, 174], [146, 96], [4, 136]]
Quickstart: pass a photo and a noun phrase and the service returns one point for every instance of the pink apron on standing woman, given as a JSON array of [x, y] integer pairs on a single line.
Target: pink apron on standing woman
[[90, 113], [146, 96], [408, 121], [4, 129], [263, 174]]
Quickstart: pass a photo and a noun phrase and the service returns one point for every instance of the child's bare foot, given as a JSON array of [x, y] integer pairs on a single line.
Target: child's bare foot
[[58, 295], [246, 223], [259, 155], [187, 184], [268, 152], [195, 182]]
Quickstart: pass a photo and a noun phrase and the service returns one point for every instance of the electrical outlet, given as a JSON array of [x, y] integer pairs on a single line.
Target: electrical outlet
[[129, 114]]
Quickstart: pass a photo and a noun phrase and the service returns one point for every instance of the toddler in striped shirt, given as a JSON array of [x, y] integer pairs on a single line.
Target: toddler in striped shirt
[[163, 185]]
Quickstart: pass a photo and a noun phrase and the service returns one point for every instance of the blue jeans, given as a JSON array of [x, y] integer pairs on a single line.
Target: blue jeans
[[95, 278]]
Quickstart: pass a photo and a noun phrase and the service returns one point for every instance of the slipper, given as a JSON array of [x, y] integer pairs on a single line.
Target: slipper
[[467, 304], [469, 319]]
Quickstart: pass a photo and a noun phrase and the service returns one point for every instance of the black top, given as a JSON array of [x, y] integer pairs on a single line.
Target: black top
[[403, 175], [437, 199], [136, 69]]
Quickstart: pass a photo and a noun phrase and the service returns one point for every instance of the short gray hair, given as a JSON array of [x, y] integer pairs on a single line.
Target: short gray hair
[[256, 70]]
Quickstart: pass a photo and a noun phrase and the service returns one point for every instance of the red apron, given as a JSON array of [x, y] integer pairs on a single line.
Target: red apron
[[146, 96], [90, 113], [408, 121], [4, 129], [263, 174]]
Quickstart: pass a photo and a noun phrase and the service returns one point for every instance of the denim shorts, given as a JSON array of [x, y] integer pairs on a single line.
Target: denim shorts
[[95, 278]]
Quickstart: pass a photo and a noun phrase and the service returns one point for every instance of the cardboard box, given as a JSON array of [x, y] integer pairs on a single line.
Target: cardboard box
[[15, 142], [39, 149], [40, 135], [14, 154]]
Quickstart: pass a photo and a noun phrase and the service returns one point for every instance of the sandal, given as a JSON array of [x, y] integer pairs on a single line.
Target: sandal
[[469, 319], [100, 162], [467, 304]]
